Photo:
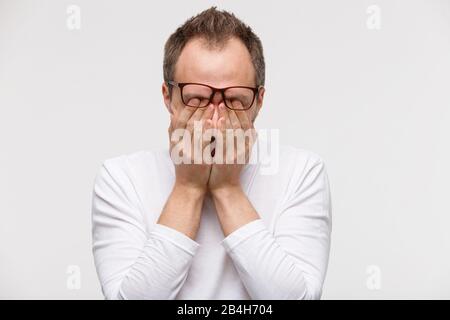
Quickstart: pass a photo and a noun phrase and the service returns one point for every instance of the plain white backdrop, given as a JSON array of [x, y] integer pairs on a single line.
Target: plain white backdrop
[[365, 84]]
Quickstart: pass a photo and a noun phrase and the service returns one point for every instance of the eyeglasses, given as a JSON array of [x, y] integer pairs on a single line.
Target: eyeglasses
[[199, 95]]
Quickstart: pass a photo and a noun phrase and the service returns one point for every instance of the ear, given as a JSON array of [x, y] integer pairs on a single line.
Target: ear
[[259, 100], [166, 97]]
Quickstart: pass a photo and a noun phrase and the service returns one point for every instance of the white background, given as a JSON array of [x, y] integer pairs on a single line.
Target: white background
[[375, 104]]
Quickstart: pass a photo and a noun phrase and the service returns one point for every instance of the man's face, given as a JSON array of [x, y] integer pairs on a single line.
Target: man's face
[[228, 66]]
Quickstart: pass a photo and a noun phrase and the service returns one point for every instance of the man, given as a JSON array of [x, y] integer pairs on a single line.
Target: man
[[209, 229]]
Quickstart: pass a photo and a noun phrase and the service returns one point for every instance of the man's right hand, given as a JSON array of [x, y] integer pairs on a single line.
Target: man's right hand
[[193, 175]]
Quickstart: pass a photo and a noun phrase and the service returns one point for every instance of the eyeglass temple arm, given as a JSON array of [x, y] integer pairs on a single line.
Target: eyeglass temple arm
[[173, 83]]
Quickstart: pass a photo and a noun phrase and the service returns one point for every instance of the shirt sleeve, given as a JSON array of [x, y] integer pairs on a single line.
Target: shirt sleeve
[[291, 262], [133, 263]]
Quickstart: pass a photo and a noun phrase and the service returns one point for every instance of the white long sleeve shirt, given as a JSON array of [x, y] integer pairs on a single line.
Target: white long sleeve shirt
[[282, 255]]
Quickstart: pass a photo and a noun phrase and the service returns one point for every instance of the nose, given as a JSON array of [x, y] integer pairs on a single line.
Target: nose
[[217, 99]]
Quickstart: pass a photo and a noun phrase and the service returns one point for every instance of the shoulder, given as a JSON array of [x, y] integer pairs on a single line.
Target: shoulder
[[290, 167], [136, 160], [306, 176], [134, 164], [300, 156], [295, 161], [302, 168]]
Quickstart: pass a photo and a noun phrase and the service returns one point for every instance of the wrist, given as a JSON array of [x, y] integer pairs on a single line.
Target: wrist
[[189, 190], [226, 191]]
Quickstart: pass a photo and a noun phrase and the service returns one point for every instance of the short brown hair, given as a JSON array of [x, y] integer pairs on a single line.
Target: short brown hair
[[216, 27]]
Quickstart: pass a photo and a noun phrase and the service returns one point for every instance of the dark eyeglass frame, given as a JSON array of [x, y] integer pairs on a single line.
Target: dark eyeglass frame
[[181, 85]]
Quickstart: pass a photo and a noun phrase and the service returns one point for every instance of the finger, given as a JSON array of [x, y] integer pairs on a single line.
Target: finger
[[170, 129], [208, 121], [209, 112], [221, 123], [221, 126], [184, 116], [235, 123], [197, 143], [196, 116], [208, 125], [244, 119], [223, 113]]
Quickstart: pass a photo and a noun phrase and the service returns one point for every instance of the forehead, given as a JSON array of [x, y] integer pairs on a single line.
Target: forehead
[[223, 66]]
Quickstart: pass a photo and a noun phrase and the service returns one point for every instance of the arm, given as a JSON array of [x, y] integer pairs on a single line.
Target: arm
[[292, 262], [182, 210], [131, 262], [233, 208]]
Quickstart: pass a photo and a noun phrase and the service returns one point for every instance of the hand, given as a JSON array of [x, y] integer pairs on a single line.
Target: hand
[[189, 173], [225, 174]]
